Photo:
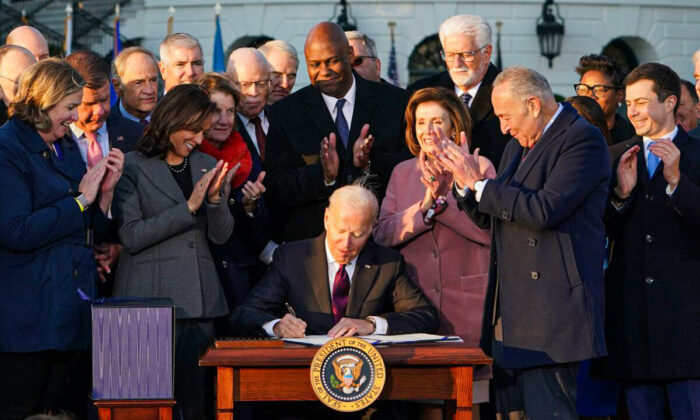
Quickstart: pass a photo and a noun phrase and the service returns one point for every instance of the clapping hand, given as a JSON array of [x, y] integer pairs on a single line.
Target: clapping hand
[[436, 179], [671, 156], [361, 149], [329, 159], [91, 181], [465, 167], [627, 172], [201, 188], [252, 191]]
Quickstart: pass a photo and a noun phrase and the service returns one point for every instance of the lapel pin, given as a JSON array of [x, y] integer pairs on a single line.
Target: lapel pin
[[204, 169], [120, 138], [367, 266], [45, 154]]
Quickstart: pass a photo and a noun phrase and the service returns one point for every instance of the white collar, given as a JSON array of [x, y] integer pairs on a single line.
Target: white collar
[[245, 119], [349, 97], [472, 92], [78, 133], [332, 261], [670, 135]]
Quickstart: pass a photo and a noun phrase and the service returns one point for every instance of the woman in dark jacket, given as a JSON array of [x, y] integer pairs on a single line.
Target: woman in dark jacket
[[238, 260], [52, 210]]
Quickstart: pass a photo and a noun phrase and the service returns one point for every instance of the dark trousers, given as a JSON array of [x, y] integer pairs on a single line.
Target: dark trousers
[[662, 399], [545, 392], [43, 382], [194, 385]]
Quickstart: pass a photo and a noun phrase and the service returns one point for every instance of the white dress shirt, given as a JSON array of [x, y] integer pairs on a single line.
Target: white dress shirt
[[250, 127], [82, 141], [333, 267], [348, 106], [473, 91]]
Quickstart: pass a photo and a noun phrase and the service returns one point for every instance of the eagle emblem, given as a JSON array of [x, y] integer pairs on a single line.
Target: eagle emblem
[[348, 369]]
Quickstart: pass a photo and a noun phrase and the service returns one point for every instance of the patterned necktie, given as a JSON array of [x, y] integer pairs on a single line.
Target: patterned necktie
[[259, 136], [466, 98], [341, 123], [341, 290], [94, 151], [652, 161]]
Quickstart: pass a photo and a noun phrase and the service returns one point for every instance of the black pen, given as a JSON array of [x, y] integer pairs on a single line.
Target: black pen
[[290, 309]]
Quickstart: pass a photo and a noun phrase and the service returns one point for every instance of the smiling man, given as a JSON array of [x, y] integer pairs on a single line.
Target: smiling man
[[326, 135], [466, 50], [284, 64], [135, 79], [653, 282], [544, 304], [180, 59]]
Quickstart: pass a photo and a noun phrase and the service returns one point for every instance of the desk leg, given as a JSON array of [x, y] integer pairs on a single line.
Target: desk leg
[[461, 409], [224, 393]]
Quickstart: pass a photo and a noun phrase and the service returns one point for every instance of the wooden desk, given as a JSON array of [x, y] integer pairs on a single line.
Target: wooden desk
[[421, 371]]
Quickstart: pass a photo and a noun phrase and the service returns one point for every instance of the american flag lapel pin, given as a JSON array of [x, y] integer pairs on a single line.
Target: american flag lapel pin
[[120, 138]]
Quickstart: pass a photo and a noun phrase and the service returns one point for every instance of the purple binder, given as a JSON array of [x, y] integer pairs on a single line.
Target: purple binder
[[132, 349]]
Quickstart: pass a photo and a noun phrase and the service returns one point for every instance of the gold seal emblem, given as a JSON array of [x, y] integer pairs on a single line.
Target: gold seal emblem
[[347, 374]]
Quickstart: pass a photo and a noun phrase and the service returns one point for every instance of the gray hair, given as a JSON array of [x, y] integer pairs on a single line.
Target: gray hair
[[466, 25], [696, 56], [525, 83], [179, 39], [356, 196], [119, 63], [5, 49], [279, 45], [366, 41], [246, 55]]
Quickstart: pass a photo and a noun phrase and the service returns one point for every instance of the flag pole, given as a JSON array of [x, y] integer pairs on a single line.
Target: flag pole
[[171, 17]]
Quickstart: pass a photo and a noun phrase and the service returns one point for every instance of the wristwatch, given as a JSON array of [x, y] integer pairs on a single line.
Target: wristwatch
[[372, 321]]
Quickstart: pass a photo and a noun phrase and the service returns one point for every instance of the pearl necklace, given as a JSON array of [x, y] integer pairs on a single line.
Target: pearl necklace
[[181, 170]]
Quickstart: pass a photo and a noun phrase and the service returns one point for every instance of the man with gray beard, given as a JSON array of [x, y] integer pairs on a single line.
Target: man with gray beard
[[466, 49]]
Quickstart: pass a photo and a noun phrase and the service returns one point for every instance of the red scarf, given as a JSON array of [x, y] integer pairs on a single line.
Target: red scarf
[[233, 150]]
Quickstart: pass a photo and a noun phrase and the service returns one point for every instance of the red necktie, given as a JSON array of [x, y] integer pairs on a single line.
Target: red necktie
[[94, 151], [341, 290], [259, 136]]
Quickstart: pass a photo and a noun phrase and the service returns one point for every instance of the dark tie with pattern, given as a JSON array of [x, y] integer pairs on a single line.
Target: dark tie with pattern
[[144, 123], [341, 123], [259, 136], [465, 97], [341, 291]]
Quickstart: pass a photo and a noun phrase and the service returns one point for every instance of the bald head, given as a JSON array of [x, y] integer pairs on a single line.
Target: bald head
[[328, 57], [250, 73], [31, 39], [14, 60]]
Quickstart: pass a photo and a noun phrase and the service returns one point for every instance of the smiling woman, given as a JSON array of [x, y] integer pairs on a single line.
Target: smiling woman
[[170, 202], [47, 226]]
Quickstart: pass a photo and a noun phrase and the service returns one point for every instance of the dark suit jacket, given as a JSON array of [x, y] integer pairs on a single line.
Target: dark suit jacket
[[299, 275], [653, 281], [548, 245], [240, 127], [299, 122], [486, 129], [44, 256], [123, 133]]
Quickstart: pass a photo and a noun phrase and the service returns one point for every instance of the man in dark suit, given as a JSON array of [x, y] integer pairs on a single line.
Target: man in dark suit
[[653, 281], [135, 79], [338, 283], [544, 305], [95, 133], [313, 148], [470, 75]]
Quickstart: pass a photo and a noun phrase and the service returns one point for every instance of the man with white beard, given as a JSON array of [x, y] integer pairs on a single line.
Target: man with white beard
[[466, 49]]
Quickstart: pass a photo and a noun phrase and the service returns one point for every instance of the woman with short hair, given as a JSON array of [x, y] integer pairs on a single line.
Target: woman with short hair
[[170, 202], [52, 210]]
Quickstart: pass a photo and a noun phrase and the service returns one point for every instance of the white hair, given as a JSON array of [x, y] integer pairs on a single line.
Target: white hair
[[357, 197], [366, 41], [466, 25], [696, 56], [279, 45], [180, 40], [524, 83], [246, 56]]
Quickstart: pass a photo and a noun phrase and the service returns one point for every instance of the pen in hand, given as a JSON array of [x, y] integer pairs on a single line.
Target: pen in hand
[[290, 309], [298, 323]]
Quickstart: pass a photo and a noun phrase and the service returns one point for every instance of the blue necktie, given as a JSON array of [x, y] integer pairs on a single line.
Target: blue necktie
[[465, 97], [341, 123], [652, 161]]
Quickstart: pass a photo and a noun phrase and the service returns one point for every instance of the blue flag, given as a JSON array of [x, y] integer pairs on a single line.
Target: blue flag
[[393, 72], [219, 64], [116, 48]]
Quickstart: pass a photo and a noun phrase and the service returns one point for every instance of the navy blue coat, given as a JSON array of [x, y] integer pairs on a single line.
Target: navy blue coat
[[548, 245], [44, 254]]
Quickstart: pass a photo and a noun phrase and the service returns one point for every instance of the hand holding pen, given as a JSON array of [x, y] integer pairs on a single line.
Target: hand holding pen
[[290, 326]]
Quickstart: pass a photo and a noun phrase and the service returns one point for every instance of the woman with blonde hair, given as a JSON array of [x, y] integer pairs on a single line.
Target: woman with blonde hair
[[52, 211]]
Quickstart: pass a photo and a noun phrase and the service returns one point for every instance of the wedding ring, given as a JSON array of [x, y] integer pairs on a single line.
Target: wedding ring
[[254, 198]]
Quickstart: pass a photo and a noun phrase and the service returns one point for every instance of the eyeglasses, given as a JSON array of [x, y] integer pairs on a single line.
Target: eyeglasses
[[7, 78], [360, 58], [466, 56], [261, 84], [597, 90]]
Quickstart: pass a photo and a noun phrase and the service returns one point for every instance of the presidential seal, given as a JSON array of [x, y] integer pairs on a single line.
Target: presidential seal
[[347, 374]]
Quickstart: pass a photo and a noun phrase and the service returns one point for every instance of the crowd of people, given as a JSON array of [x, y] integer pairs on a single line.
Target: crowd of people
[[561, 237]]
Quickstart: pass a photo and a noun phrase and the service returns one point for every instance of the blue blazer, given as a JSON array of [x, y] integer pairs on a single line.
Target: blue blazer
[[45, 255], [546, 275]]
